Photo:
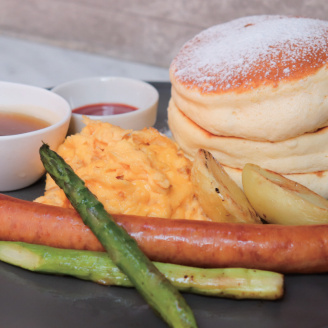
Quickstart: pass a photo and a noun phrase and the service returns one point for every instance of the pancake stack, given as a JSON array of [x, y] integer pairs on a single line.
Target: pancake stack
[[255, 90]]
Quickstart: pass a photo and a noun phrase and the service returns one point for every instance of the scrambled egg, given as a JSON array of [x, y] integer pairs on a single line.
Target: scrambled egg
[[131, 172]]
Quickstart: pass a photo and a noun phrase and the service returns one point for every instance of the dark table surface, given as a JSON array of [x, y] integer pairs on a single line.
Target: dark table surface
[[40, 301]]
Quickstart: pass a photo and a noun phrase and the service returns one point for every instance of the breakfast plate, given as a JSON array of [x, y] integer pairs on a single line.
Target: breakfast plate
[[36, 300]]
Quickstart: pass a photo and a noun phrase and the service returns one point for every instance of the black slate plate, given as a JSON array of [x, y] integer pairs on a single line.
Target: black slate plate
[[31, 300]]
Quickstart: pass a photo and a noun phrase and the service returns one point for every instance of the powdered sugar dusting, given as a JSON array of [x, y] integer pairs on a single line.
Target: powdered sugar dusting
[[252, 51]]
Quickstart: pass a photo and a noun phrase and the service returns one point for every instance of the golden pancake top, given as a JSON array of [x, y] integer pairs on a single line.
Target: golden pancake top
[[252, 52]]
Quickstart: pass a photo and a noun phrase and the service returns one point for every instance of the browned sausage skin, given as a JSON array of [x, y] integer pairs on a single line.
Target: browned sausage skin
[[44, 225], [285, 249]]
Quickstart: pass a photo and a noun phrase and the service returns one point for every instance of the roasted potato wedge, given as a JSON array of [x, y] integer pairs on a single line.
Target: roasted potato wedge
[[279, 200], [219, 196]]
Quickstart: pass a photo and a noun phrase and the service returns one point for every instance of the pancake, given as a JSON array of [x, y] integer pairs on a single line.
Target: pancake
[[303, 154], [315, 181], [259, 78]]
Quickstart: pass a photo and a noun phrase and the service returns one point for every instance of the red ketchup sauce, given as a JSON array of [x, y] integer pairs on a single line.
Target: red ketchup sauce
[[104, 109]]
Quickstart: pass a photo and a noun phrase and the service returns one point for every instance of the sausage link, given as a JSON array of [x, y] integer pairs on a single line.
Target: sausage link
[[284, 249]]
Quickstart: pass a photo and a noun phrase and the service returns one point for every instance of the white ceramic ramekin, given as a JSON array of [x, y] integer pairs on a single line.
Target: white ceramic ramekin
[[121, 90], [20, 163]]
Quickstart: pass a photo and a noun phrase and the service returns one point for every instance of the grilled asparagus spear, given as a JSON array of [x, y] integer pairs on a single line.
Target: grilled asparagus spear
[[97, 267], [123, 250]]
